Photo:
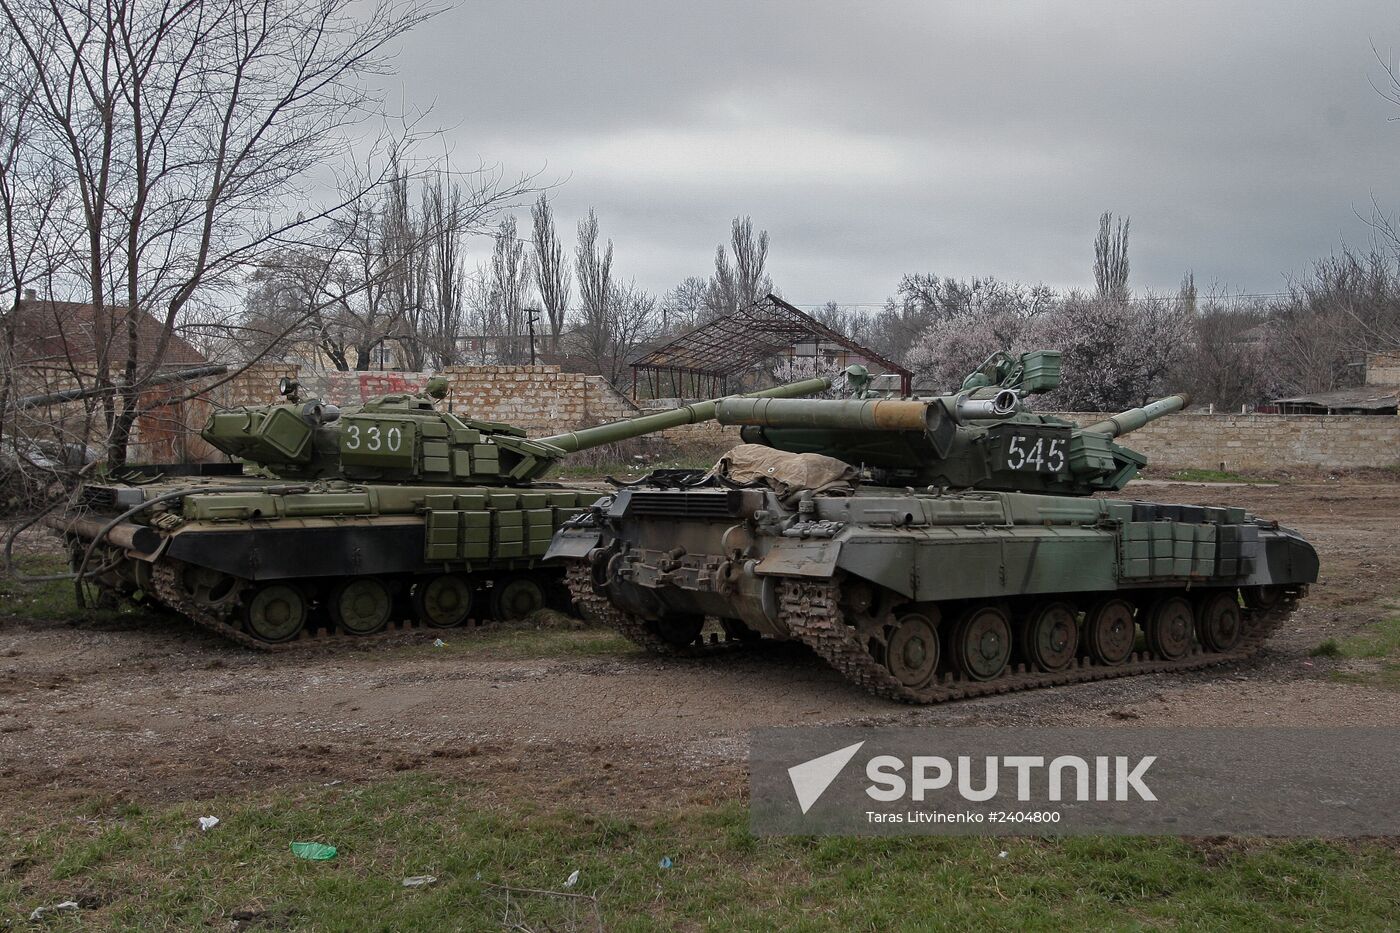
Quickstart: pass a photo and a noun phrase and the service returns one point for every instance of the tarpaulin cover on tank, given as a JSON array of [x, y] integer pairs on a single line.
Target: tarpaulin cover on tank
[[784, 472]]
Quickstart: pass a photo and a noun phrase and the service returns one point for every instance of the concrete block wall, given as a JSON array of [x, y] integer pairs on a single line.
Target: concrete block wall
[[1264, 442], [1383, 369], [541, 399]]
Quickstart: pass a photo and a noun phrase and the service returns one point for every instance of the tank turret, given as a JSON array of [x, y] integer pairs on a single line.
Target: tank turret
[[403, 438], [980, 437]]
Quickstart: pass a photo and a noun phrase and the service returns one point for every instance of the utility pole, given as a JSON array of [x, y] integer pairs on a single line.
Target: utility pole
[[530, 315]]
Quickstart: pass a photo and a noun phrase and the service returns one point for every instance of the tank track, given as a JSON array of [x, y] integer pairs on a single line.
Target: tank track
[[813, 616], [165, 585], [600, 610]]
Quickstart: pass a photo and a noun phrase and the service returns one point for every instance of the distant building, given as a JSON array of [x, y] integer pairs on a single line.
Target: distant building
[[63, 337], [703, 362], [1379, 395]]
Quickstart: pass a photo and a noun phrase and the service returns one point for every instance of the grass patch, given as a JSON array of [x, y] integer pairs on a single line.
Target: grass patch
[[52, 600], [1328, 649], [147, 869], [1209, 476], [1379, 643]]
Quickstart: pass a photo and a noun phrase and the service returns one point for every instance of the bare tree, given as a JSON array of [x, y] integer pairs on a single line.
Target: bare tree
[[382, 274], [1347, 306], [613, 319], [508, 279], [1228, 363], [742, 282], [683, 307], [446, 223], [32, 199], [1111, 258], [595, 285], [403, 263], [551, 272], [182, 132]]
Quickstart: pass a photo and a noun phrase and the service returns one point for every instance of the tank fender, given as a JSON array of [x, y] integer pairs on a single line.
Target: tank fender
[[794, 557], [889, 562], [1288, 558], [573, 542]]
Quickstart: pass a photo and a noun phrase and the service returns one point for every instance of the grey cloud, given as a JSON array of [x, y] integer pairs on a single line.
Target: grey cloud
[[877, 139]]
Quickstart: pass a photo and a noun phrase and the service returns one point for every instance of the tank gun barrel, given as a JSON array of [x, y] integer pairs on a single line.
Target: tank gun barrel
[[73, 395], [867, 414], [612, 432], [848, 414], [1134, 418]]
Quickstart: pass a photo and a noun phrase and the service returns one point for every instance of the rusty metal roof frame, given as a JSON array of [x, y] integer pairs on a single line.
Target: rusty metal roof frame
[[732, 344]]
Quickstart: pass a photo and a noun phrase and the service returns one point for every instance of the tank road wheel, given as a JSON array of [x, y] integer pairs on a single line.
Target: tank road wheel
[[514, 598], [276, 612], [1170, 625], [681, 631], [911, 653], [981, 643], [443, 601], [1109, 632], [362, 606], [1052, 636], [1218, 621]]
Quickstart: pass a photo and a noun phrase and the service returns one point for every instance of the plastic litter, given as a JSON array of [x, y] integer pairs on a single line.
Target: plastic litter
[[665, 862], [1002, 854], [439, 643], [41, 912], [573, 879], [315, 851], [419, 881], [207, 823]]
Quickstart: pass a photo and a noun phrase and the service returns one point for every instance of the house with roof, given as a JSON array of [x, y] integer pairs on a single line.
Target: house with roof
[[56, 347]]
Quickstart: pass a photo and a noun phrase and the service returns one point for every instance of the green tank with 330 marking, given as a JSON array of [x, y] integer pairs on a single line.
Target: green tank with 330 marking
[[346, 522], [937, 548]]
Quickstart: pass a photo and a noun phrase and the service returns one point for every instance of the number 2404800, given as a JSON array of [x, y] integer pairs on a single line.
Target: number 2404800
[[1035, 453]]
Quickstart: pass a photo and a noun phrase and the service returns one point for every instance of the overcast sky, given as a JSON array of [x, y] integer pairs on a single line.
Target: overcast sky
[[877, 139]]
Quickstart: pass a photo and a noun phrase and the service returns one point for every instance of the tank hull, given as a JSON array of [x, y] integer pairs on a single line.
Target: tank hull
[[210, 557], [978, 590]]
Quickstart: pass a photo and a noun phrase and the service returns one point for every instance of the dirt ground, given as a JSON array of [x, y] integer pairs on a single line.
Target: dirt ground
[[158, 711]]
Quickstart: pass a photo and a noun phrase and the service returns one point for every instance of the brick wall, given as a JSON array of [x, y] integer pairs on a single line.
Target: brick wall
[[540, 399], [1383, 369], [1265, 442]]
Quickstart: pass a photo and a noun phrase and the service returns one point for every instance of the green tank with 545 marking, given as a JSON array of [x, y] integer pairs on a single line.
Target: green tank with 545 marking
[[936, 548], [343, 522]]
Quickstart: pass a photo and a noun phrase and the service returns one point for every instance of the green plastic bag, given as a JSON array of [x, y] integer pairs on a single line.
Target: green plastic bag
[[316, 851]]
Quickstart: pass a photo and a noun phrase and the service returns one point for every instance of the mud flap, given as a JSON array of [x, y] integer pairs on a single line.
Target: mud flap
[[801, 559], [573, 543]]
